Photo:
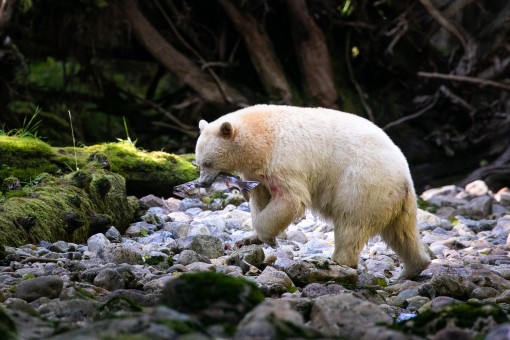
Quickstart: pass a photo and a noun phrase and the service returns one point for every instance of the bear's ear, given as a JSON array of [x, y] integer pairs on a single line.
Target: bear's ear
[[227, 130], [202, 125]]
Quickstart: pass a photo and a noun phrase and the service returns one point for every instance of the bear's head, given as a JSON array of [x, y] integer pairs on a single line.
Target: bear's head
[[215, 152]]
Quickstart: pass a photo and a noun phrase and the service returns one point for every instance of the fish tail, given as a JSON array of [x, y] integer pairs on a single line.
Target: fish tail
[[248, 185]]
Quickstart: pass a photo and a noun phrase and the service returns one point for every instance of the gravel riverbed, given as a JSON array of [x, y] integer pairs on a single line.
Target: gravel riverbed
[[176, 274]]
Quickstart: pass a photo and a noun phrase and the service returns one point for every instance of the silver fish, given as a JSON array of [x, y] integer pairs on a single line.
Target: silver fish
[[223, 182]]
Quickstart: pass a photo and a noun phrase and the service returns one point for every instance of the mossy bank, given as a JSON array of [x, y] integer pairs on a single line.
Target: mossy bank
[[70, 207], [145, 172]]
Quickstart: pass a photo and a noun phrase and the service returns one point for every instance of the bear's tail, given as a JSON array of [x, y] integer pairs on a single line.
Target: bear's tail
[[403, 237]]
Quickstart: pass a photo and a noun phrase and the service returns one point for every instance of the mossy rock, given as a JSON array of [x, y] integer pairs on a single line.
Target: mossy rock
[[145, 172], [212, 297], [473, 316], [70, 207], [7, 327]]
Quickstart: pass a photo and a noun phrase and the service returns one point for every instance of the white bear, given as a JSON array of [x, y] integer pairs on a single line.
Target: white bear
[[339, 165]]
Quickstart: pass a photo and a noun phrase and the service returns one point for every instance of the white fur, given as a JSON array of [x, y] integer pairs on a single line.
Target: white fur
[[340, 165]]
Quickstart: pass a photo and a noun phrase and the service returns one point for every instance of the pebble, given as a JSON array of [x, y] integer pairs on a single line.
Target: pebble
[[99, 288]]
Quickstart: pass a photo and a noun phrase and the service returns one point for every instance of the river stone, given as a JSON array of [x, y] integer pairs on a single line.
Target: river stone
[[33, 289], [207, 245], [269, 320], [139, 297], [274, 282], [188, 256], [320, 270], [113, 235], [481, 293], [344, 315], [96, 242], [314, 290], [449, 285], [109, 279], [201, 267], [21, 305], [140, 229], [296, 236], [60, 247], [120, 253], [478, 207], [70, 310], [253, 254], [500, 332]]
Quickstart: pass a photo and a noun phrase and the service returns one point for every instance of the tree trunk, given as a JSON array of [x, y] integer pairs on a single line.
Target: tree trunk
[[313, 55], [261, 52], [217, 94], [5, 14]]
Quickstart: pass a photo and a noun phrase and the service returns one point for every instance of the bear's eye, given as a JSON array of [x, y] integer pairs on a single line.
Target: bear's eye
[[207, 164]]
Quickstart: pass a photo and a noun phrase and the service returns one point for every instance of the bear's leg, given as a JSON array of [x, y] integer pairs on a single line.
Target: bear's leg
[[276, 217], [402, 236], [349, 241], [259, 199]]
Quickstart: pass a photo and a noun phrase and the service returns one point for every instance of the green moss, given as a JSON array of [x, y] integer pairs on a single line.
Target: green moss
[[63, 208], [24, 157], [424, 205], [7, 327], [462, 315], [198, 292], [120, 303], [182, 326], [154, 260], [145, 172]]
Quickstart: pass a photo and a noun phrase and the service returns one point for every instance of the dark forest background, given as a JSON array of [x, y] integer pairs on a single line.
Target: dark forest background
[[434, 74]]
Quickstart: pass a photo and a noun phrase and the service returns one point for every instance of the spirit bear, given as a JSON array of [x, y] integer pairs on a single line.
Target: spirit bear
[[337, 164]]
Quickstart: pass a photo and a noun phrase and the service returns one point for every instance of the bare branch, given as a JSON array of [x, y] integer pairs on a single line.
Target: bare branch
[[465, 79], [361, 93], [447, 25], [414, 115]]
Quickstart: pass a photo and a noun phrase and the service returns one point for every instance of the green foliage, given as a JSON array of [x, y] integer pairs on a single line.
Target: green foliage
[[29, 128]]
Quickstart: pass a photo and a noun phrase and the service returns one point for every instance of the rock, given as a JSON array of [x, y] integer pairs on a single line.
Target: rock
[[314, 290], [274, 282], [20, 305], [44, 286], [417, 302], [201, 267], [482, 293], [97, 242], [109, 279], [296, 236], [140, 229], [190, 203], [252, 254], [320, 270], [449, 285], [113, 235], [478, 207], [138, 297], [344, 315], [188, 256], [211, 297], [73, 310], [477, 188], [60, 247], [272, 319], [500, 332], [119, 253], [209, 246]]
